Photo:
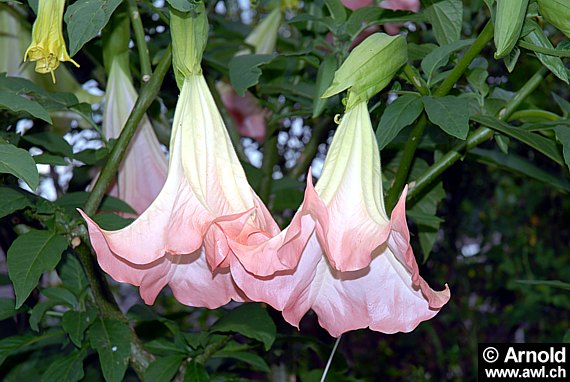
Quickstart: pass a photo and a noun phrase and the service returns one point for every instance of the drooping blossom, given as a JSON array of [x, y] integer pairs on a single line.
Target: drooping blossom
[[358, 269], [248, 116], [143, 170], [394, 5], [48, 46], [187, 237]]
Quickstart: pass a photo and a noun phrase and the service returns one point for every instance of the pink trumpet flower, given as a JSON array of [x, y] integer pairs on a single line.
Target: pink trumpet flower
[[143, 171], [191, 233], [358, 269]]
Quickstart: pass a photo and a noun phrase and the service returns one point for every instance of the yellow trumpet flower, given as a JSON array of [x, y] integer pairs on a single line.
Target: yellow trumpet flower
[[48, 46]]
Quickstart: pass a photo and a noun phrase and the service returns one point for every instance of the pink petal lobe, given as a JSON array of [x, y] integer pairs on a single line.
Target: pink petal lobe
[[399, 243], [191, 280]]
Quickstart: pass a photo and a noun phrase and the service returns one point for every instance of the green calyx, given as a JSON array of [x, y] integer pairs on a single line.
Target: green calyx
[[189, 31], [369, 68], [509, 21]]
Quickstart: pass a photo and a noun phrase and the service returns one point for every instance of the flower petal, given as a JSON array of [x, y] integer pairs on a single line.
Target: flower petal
[[191, 280], [399, 243], [347, 202]]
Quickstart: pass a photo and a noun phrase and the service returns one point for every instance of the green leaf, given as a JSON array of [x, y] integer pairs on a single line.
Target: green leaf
[[112, 340], [92, 156], [7, 308], [62, 296], [19, 103], [563, 135], [12, 200], [399, 114], [111, 222], [30, 255], [337, 10], [76, 323], [554, 64], [163, 369], [19, 163], [250, 320], [16, 344], [252, 359], [566, 338], [550, 283], [446, 18], [563, 104], [546, 146], [361, 16], [52, 142], [439, 57], [325, 76], [38, 313], [164, 346], [520, 165], [53, 160], [196, 372], [85, 19], [68, 368], [245, 72], [450, 113], [78, 199], [71, 273]]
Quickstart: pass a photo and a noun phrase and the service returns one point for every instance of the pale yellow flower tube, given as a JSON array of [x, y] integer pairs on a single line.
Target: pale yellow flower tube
[[48, 46]]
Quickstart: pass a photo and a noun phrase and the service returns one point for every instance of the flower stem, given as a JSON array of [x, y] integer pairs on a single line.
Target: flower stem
[[475, 138], [411, 145], [135, 16], [147, 95], [269, 159]]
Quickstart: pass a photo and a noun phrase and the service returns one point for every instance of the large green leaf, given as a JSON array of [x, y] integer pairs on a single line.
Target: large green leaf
[[196, 372], [12, 200], [450, 113], [19, 103], [19, 163], [520, 165], [7, 308], [252, 359], [250, 320], [446, 18], [546, 146], [68, 368], [78, 199], [30, 255], [183, 5], [245, 71], [440, 56], [15, 344], [163, 369], [563, 135], [52, 142], [553, 63], [325, 76], [399, 114], [76, 323], [85, 19], [112, 340], [72, 274]]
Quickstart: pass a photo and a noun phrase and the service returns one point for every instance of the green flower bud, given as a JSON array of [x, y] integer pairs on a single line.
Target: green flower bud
[[509, 21], [557, 13], [369, 68]]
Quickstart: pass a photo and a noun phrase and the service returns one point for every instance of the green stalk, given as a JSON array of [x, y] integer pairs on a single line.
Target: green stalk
[[269, 160], [535, 113], [411, 145], [477, 137], [147, 95], [135, 16]]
